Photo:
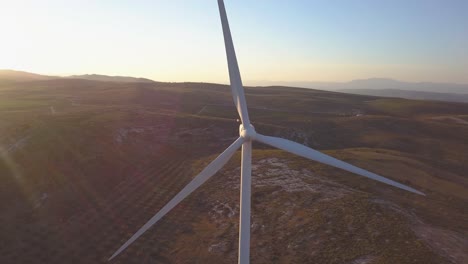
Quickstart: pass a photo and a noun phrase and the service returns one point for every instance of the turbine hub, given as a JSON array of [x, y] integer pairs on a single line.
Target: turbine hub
[[247, 132]]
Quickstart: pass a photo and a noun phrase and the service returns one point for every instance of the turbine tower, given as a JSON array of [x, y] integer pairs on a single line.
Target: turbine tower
[[247, 134]]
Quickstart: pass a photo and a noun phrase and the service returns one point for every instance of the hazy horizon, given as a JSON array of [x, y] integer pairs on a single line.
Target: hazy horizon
[[276, 41], [298, 83]]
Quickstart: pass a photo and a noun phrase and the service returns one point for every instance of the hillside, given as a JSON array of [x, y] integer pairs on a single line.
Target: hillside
[[378, 84], [384, 83], [83, 164], [14, 76], [416, 95], [105, 78]]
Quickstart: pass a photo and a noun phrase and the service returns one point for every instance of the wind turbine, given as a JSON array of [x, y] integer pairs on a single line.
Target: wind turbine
[[247, 134]]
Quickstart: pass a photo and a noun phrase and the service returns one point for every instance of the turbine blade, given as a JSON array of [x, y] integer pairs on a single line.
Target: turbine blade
[[234, 74], [245, 200], [201, 178], [309, 153]]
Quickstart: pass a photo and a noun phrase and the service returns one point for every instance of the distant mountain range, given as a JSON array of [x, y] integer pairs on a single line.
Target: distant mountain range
[[382, 83], [375, 86], [417, 95], [452, 92], [20, 76]]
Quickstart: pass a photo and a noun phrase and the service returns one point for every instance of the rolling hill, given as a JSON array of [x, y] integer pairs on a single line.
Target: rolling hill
[[416, 95], [21, 76], [105, 78], [377, 84], [385, 83], [451, 92], [84, 163]]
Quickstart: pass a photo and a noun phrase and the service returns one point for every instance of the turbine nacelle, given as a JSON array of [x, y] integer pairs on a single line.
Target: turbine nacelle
[[248, 132]]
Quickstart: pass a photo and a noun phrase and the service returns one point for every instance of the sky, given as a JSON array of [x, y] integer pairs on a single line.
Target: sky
[[275, 40]]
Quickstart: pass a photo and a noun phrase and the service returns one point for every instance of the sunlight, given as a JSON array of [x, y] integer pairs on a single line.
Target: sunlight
[[146, 40], [4, 155], [12, 167]]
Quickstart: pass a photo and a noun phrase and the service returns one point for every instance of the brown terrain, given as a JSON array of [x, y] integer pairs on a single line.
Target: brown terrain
[[85, 163]]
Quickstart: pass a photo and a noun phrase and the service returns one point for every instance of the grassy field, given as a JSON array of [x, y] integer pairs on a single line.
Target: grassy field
[[83, 164]]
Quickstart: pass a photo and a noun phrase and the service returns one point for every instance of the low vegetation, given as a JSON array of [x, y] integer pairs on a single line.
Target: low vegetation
[[83, 164]]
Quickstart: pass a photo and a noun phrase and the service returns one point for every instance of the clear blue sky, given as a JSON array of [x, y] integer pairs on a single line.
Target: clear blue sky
[[276, 40]]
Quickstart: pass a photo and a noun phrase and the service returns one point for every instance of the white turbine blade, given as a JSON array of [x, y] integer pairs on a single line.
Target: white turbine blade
[[245, 199], [309, 153], [234, 74], [201, 178]]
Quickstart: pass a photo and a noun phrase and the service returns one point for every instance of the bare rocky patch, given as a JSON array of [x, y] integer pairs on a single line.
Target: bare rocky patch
[[275, 172], [299, 216], [447, 243]]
